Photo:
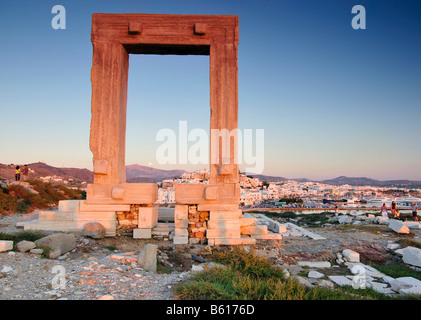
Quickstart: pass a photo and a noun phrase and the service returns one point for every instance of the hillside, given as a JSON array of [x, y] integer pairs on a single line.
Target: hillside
[[362, 181], [136, 173], [39, 169]]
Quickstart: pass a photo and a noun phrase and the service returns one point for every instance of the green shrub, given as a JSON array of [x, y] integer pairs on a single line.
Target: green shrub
[[247, 277]]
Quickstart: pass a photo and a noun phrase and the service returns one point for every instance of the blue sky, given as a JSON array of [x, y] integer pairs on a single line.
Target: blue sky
[[332, 100]]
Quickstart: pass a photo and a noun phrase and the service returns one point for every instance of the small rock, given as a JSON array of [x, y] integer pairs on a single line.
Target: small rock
[[351, 256], [393, 246], [94, 230], [24, 246], [304, 282], [198, 258], [54, 254], [107, 297], [147, 257], [315, 274], [315, 264], [36, 251], [6, 269], [326, 283]]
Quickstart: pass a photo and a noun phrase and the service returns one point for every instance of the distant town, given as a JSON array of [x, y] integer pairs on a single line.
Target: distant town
[[256, 191]]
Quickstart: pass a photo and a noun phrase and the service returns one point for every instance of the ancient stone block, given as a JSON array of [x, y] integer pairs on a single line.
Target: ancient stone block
[[255, 230], [181, 212], [181, 240], [142, 233], [181, 232], [6, 245], [225, 215], [148, 217]]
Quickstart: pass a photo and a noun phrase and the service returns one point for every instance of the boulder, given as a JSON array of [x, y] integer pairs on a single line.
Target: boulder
[[24, 246], [94, 230], [345, 219], [6, 245], [381, 220], [412, 256], [398, 226], [147, 257], [351, 256], [58, 241], [393, 246], [404, 283]]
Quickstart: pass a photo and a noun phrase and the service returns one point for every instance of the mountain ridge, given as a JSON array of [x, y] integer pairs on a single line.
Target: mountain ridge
[[136, 173]]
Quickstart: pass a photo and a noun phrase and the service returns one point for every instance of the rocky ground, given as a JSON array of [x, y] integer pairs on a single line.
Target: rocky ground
[[108, 268]]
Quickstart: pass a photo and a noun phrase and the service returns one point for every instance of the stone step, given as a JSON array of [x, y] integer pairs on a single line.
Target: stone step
[[56, 216], [69, 205], [84, 207], [231, 241], [255, 230], [269, 236]]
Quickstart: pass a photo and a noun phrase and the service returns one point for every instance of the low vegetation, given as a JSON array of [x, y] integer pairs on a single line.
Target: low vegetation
[[397, 270], [247, 277], [41, 195]]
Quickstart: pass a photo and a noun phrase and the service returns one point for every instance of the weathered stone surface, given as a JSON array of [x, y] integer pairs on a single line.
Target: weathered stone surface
[[398, 226], [54, 254], [412, 256], [6, 245], [351, 256], [94, 230], [341, 280], [58, 241], [37, 251], [345, 219], [24, 246], [314, 264], [180, 240], [142, 233], [147, 257], [393, 246], [315, 274]]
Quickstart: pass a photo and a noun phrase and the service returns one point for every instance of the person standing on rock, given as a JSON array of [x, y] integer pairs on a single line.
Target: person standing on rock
[[336, 211], [415, 210], [393, 208], [17, 173], [25, 172], [384, 210]]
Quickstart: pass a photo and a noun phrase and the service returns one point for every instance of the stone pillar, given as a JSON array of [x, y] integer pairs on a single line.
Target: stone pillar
[[224, 113], [109, 76]]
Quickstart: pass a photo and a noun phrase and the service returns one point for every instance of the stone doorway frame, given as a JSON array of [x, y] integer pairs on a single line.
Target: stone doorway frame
[[114, 37]]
